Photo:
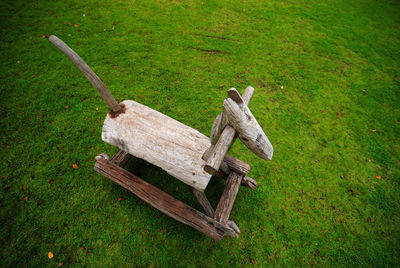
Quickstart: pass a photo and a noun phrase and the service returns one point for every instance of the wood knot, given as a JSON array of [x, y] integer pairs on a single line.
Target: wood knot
[[121, 111]]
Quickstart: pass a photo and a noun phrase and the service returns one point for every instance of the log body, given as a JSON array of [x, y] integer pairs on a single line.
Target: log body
[[160, 140], [249, 131]]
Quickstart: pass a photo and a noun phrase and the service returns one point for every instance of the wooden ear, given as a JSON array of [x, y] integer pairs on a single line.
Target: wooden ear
[[234, 95]]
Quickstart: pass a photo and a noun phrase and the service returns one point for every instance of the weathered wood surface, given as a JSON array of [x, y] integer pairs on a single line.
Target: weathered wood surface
[[160, 140], [216, 129], [237, 165], [85, 69], [163, 201], [247, 128], [228, 197], [232, 229], [225, 141], [220, 149], [121, 158]]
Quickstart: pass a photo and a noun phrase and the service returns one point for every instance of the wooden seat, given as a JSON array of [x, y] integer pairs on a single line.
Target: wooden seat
[[160, 140]]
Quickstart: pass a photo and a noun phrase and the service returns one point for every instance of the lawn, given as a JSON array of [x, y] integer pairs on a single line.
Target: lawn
[[327, 94]]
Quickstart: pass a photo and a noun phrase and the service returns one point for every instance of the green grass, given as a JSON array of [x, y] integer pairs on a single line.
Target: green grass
[[318, 202]]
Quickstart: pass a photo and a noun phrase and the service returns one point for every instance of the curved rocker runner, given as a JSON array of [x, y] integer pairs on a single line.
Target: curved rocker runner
[[180, 150]]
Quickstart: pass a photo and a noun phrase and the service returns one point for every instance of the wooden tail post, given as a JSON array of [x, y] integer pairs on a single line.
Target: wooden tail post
[[90, 75]]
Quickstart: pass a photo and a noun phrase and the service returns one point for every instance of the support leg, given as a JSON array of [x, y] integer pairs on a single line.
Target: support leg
[[228, 197], [201, 198], [203, 202]]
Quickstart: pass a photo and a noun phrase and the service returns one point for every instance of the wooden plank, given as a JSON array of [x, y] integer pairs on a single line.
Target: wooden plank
[[225, 141], [228, 197], [161, 200], [121, 158], [248, 129], [161, 141], [90, 75]]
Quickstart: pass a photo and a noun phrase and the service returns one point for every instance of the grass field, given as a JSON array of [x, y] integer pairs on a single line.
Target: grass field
[[327, 93]]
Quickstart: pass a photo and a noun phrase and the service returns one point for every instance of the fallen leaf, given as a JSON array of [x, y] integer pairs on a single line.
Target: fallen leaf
[[120, 199], [50, 255], [75, 166], [76, 25], [60, 264], [378, 177]]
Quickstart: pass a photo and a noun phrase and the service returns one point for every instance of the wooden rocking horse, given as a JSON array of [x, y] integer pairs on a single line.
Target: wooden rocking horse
[[180, 150]]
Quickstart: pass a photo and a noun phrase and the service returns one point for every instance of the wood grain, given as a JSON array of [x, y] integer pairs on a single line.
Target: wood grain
[[85, 69], [228, 197], [237, 165], [161, 141]]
